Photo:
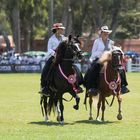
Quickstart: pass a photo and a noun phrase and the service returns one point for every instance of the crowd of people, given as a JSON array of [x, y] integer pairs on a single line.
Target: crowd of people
[[8, 58]]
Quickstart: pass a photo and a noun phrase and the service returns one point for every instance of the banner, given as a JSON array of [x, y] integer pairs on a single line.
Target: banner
[[21, 68]]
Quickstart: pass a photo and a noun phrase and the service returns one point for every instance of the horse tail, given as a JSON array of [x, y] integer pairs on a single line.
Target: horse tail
[[85, 100], [51, 103]]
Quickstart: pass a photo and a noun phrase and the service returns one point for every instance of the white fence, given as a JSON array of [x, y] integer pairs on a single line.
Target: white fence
[[133, 67]]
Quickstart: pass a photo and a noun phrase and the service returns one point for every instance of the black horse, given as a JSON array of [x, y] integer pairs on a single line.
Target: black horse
[[63, 78]]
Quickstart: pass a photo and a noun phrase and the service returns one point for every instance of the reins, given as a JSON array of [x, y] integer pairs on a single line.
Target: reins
[[111, 101]]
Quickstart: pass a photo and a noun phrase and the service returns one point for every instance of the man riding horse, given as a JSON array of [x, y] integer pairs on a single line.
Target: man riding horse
[[101, 44], [53, 43]]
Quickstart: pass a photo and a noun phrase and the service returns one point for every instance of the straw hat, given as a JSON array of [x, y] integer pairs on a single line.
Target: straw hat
[[58, 26], [105, 29]]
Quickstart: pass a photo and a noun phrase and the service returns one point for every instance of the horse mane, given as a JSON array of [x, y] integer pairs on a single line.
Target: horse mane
[[106, 56], [60, 52]]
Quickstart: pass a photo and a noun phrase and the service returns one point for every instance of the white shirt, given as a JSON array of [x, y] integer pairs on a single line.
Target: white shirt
[[99, 47], [53, 44]]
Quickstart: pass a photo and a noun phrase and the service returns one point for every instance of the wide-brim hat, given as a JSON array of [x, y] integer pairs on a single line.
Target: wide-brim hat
[[58, 26], [105, 29]]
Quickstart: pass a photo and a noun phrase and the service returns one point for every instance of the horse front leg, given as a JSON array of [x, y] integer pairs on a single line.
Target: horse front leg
[[103, 108], [77, 99], [98, 107], [90, 107], [119, 116]]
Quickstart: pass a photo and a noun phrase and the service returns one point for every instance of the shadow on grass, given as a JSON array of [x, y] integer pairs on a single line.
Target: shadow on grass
[[94, 122], [50, 123]]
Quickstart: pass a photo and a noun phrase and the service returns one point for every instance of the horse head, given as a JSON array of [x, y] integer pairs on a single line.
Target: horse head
[[68, 50], [74, 44], [117, 59], [113, 58]]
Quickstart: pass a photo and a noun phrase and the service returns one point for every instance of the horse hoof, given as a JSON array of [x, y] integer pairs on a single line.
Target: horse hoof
[[98, 119], [90, 118], [61, 122], [119, 117], [47, 121], [76, 107]]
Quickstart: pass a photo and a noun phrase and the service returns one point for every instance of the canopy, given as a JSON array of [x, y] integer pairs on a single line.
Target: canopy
[[35, 53], [132, 54]]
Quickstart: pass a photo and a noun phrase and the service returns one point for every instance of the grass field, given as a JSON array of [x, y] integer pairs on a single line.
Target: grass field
[[21, 118]]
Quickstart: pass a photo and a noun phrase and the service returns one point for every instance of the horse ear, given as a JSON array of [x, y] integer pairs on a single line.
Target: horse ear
[[77, 39], [77, 36], [70, 38]]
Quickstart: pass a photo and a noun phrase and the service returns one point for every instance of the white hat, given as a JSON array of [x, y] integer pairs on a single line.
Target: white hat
[[58, 26], [105, 29]]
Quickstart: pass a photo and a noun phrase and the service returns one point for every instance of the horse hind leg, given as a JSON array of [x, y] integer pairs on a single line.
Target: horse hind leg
[[98, 108], [119, 116], [90, 106], [103, 109], [44, 100]]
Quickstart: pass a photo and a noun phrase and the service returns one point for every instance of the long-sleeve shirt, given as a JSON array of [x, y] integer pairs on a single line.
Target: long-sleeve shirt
[[99, 47], [53, 43]]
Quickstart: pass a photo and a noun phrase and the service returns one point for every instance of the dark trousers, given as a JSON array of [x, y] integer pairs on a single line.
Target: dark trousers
[[92, 76], [45, 72], [123, 76]]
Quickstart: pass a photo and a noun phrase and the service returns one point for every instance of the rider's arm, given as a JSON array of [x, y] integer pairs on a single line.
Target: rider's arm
[[96, 50], [51, 47]]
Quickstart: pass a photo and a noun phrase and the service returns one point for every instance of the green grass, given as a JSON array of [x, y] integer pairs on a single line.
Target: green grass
[[21, 118]]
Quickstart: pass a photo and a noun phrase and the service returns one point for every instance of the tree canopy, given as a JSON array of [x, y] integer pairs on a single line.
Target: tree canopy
[[31, 19]]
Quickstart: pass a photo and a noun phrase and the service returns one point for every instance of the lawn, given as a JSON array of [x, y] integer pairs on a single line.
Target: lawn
[[21, 118]]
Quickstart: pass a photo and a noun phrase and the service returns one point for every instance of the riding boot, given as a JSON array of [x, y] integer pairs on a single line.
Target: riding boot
[[124, 83], [45, 76]]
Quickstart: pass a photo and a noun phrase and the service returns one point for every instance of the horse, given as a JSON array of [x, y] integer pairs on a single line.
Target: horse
[[109, 83], [63, 79]]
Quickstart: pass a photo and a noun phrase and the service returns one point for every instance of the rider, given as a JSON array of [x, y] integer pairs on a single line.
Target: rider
[[53, 42], [101, 44]]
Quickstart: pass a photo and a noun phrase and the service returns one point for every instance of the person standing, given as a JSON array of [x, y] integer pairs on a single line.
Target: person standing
[[101, 44]]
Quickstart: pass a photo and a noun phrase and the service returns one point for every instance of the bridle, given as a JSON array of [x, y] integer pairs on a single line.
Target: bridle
[[72, 49], [116, 59]]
